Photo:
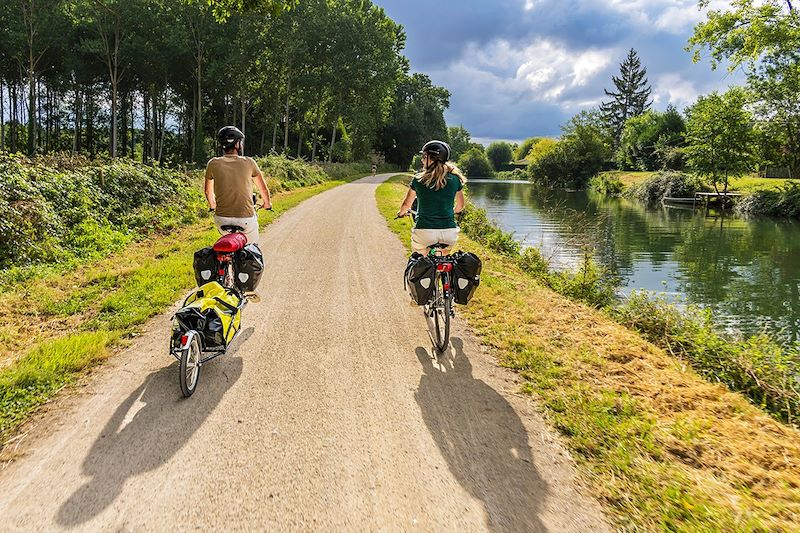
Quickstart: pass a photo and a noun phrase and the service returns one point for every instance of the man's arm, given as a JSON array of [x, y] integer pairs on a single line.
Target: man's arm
[[209, 190], [262, 186]]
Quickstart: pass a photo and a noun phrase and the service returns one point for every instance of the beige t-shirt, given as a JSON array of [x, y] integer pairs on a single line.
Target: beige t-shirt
[[233, 184]]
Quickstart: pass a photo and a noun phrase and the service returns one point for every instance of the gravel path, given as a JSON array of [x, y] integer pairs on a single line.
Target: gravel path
[[327, 414]]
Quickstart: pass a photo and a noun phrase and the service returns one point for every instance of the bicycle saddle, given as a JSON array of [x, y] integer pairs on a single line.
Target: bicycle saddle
[[232, 242]]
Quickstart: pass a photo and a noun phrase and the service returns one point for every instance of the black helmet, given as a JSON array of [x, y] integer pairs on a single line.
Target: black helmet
[[438, 149], [229, 136]]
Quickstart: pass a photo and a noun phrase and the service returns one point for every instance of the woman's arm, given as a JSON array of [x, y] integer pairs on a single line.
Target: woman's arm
[[459, 201], [406, 205]]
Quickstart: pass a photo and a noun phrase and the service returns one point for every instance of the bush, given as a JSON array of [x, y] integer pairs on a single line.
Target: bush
[[757, 367], [499, 154], [516, 174], [606, 183], [665, 184], [52, 215], [785, 202], [474, 163]]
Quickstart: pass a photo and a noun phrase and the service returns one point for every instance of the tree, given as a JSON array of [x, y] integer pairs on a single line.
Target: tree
[[474, 163], [499, 153], [459, 140], [417, 116], [651, 141], [632, 97], [525, 147], [720, 137], [763, 38], [583, 150]]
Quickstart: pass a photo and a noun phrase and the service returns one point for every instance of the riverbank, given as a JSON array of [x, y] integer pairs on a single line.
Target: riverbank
[[756, 196], [61, 323], [662, 447]]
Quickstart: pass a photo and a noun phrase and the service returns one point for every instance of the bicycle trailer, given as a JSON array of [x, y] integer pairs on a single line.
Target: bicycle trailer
[[212, 311]]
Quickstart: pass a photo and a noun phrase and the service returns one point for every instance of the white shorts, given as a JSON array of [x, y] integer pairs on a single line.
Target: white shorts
[[422, 239], [250, 225]]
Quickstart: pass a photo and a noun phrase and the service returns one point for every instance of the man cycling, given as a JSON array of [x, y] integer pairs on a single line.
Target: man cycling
[[229, 185], [436, 189]]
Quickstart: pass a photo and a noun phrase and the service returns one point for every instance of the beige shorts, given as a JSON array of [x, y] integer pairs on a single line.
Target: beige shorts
[[421, 239], [250, 225]]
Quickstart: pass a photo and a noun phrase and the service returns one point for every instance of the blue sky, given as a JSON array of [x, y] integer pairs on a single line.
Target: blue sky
[[518, 68]]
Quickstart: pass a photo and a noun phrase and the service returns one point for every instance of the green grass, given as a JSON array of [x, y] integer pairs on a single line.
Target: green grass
[[754, 183], [661, 447], [65, 324]]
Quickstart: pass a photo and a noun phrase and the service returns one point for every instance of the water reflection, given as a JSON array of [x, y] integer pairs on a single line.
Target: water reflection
[[745, 270]]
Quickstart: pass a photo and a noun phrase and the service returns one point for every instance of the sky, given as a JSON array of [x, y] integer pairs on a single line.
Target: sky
[[521, 68]]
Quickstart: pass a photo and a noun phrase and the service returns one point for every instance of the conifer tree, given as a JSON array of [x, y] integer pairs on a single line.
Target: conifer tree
[[632, 97]]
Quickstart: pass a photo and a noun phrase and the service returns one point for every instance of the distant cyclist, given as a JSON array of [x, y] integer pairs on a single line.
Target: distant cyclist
[[374, 169], [229, 185], [437, 188]]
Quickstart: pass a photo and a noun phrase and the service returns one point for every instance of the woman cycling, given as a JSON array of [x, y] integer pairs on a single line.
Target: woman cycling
[[436, 188]]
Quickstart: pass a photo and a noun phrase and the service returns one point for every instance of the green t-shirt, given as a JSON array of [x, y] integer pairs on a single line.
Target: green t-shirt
[[435, 208]]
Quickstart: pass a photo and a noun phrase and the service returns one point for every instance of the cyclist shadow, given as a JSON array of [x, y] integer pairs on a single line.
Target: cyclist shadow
[[482, 439], [146, 430]]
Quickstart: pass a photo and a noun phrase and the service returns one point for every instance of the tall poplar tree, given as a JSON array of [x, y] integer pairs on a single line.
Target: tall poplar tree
[[632, 97]]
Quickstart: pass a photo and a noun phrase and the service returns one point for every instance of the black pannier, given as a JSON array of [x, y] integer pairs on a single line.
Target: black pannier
[[207, 323], [466, 276], [205, 265], [248, 267], [419, 278]]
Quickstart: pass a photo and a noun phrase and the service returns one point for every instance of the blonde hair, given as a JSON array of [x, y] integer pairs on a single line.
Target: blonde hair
[[435, 177]]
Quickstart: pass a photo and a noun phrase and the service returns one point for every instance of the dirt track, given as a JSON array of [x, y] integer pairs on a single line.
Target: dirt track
[[329, 414]]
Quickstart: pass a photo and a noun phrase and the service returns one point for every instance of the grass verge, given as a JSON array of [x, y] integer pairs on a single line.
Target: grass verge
[[60, 325], [663, 448]]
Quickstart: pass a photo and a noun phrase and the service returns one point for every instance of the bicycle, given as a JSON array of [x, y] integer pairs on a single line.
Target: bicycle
[[439, 309], [192, 349]]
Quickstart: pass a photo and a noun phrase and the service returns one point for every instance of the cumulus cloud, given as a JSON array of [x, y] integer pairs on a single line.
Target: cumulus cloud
[[517, 68]]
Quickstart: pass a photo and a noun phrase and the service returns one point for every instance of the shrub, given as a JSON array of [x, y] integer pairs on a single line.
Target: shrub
[[52, 215], [606, 183], [475, 163], [663, 185], [784, 202], [516, 174]]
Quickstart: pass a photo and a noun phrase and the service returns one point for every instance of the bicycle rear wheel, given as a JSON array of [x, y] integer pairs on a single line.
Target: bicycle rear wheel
[[441, 318]]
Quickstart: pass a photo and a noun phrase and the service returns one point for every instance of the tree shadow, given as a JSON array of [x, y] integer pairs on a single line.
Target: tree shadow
[[483, 440], [146, 430]]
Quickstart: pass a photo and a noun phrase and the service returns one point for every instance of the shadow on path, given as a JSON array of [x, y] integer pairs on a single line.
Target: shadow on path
[[483, 440], [146, 430]]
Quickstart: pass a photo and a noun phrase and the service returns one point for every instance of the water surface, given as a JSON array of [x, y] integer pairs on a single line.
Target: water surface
[[746, 271]]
